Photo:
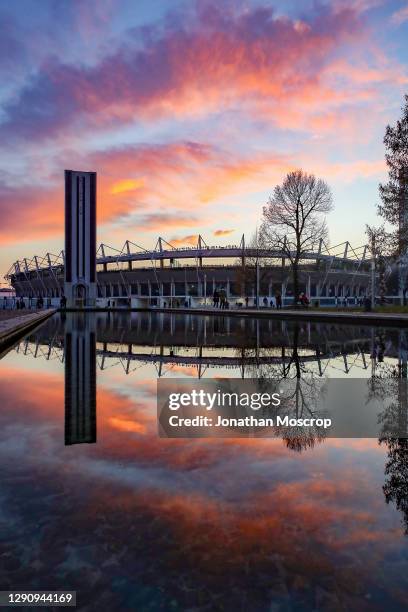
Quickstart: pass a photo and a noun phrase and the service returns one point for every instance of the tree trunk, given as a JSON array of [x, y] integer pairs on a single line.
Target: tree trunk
[[295, 273], [295, 353]]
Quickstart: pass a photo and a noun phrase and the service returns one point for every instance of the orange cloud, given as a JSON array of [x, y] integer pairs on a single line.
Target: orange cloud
[[191, 239], [41, 211], [163, 220], [223, 232], [180, 181], [126, 185]]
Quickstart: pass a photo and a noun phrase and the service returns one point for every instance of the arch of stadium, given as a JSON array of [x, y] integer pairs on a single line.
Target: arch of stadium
[[169, 276]]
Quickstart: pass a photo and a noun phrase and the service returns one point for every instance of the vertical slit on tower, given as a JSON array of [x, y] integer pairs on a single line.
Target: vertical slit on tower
[[77, 227], [83, 226]]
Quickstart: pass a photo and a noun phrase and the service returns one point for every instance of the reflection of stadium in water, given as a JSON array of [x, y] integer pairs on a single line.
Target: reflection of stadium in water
[[244, 347], [195, 345]]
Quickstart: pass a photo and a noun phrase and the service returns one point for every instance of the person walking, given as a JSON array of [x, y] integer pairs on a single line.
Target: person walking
[[278, 298]]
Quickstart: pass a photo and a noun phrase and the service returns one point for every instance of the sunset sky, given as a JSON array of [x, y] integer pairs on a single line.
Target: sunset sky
[[191, 111]]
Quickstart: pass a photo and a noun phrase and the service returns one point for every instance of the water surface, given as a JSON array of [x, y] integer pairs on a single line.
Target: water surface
[[92, 500]]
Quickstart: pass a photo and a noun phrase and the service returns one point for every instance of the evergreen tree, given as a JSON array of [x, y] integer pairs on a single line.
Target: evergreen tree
[[381, 245], [394, 193]]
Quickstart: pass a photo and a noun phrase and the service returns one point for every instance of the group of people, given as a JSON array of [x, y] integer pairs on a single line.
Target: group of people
[[277, 303], [303, 300], [220, 299], [20, 303]]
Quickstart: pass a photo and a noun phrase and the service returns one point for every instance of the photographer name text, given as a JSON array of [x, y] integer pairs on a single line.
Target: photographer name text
[[248, 421]]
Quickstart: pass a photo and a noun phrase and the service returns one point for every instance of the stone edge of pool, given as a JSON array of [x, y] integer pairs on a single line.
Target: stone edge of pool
[[12, 329], [307, 315]]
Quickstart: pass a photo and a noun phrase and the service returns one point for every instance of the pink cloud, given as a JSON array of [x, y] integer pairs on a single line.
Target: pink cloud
[[206, 63], [349, 171]]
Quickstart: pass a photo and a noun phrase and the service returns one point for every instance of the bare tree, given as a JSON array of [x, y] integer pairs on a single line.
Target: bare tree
[[294, 218]]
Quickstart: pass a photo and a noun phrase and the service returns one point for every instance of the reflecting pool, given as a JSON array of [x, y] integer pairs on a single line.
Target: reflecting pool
[[93, 500]]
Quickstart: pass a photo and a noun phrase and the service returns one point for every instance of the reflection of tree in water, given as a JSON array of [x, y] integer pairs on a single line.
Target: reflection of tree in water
[[302, 440], [390, 386], [396, 471], [301, 389], [394, 418]]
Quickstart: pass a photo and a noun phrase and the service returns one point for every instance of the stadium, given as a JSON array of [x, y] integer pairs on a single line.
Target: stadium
[[167, 276]]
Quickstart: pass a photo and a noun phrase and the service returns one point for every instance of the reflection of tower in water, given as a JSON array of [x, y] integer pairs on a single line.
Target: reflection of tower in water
[[80, 380]]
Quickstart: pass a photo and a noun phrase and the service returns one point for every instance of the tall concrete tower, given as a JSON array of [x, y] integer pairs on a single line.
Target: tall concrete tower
[[80, 238]]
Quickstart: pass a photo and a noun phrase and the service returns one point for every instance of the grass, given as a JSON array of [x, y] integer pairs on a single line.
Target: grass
[[391, 308], [397, 308], [335, 309]]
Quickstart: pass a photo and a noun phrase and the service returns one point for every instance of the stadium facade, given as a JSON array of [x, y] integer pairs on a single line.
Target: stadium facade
[[168, 276]]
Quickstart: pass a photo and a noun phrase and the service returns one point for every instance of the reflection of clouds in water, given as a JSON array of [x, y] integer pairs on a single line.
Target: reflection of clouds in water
[[205, 466], [195, 511], [127, 425], [40, 401], [176, 370]]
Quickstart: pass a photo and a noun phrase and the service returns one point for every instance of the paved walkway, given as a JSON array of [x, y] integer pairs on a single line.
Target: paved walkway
[[12, 314], [18, 322]]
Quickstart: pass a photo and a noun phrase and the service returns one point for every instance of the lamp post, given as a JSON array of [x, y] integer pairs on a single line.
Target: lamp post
[[373, 272], [257, 269]]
